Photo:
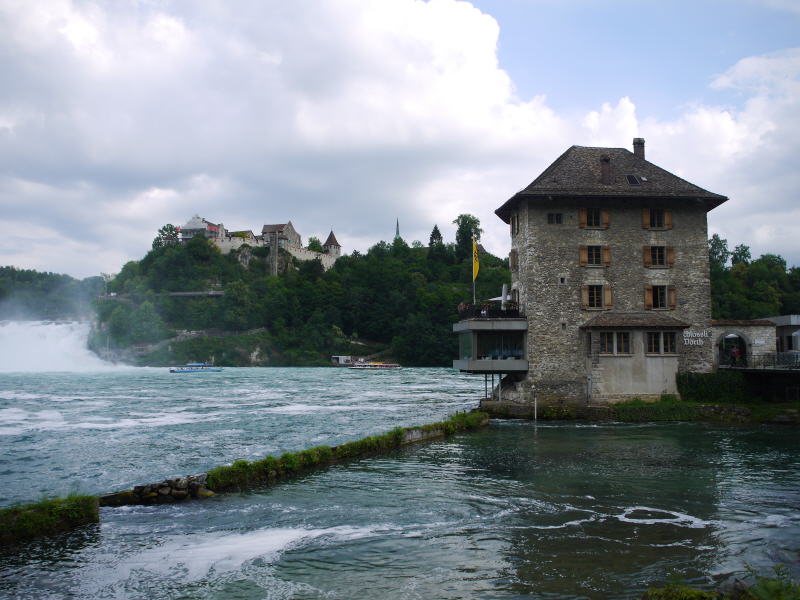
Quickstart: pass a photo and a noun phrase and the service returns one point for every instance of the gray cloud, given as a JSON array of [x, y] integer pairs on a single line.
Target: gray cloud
[[116, 118]]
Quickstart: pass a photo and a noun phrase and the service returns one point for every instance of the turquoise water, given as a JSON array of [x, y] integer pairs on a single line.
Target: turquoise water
[[517, 510]]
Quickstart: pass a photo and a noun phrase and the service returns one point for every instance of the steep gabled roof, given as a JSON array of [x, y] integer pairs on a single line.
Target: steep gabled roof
[[578, 173], [331, 241], [272, 228]]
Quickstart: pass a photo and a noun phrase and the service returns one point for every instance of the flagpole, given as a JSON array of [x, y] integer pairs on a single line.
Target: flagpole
[[475, 268]]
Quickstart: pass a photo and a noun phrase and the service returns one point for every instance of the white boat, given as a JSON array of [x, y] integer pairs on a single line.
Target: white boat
[[193, 368], [373, 365]]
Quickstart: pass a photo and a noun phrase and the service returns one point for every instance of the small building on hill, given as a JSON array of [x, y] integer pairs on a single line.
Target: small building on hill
[[276, 237]]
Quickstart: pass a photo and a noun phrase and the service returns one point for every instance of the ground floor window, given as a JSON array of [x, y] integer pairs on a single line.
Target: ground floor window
[[615, 342], [661, 342]]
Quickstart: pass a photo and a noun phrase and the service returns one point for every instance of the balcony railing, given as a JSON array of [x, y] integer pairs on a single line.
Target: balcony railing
[[772, 360], [490, 310]]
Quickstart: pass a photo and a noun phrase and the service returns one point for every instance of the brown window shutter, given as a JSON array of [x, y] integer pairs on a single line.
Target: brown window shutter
[[584, 256], [604, 216], [647, 255], [512, 259], [582, 216], [646, 218], [608, 298], [648, 297], [606, 255], [670, 256], [584, 297], [668, 219], [672, 297]]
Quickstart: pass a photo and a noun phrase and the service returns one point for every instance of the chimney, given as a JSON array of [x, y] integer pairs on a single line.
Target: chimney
[[605, 170], [638, 148]]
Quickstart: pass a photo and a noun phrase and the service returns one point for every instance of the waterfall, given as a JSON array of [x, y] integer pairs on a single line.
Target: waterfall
[[47, 346]]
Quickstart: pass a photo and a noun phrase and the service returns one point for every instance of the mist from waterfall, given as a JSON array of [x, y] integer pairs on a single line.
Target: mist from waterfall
[[37, 346]]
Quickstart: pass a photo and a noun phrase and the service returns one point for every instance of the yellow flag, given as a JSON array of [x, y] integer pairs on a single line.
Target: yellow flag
[[476, 265]]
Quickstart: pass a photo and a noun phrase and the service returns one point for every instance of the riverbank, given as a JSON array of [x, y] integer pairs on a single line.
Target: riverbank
[[637, 411]]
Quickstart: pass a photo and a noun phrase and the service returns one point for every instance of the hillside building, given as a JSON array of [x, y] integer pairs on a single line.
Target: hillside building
[[610, 294], [282, 236]]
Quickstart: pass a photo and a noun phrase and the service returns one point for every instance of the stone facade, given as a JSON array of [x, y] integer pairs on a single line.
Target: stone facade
[[757, 339], [585, 243]]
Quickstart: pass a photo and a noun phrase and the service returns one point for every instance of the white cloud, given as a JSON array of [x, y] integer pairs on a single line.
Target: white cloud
[[341, 114]]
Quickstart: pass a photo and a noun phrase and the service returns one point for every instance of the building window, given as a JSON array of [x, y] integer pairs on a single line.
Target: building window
[[595, 256], [595, 296], [670, 344], [513, 259], [662, 342], [593, 218], [658, 256], [623, 342], [615, 342], [656, 218], [660, 297], [555, 218], [606, 342], [654, 342], [514, 224]]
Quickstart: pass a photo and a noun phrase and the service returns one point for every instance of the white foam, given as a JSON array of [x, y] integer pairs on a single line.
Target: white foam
[[305, 409], [190, 558], [675, 518], [41, 346]]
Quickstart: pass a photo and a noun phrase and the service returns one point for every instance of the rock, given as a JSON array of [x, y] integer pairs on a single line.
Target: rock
[[164, 490], [204, 493], [181, 483], [180, 494], [119, 498]]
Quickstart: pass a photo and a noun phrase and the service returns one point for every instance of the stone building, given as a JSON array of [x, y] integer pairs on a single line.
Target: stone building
[[277, 237], [610, 273]]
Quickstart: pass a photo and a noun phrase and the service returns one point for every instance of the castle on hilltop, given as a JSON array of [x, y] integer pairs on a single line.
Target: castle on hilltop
[[275, 237]]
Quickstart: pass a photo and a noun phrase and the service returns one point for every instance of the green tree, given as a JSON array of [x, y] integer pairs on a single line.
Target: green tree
[[740, 254], [314, 244], [718, 253], [468, 227], [168, 235], [145, 324]]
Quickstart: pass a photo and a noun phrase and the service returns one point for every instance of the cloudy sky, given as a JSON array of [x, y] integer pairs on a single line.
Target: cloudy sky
[[118, 117]]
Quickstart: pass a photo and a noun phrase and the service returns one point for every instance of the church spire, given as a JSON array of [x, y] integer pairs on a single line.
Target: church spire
[[397, 229]]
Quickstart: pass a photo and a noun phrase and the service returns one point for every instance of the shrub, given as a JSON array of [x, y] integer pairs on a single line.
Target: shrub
[[675, 591], [48, 516], [715, 388]]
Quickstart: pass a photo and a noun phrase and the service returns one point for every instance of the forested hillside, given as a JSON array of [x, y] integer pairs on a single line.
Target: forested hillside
[[742, 288], [29, 294], [401, 297]]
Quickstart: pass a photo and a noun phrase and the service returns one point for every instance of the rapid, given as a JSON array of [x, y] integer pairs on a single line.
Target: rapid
[[517, 510]]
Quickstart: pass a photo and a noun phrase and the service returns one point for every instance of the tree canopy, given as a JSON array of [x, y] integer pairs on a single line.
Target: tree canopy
[[402, 297]]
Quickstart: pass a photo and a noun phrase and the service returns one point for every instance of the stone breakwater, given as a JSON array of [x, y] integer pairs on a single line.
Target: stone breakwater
[[57, 514], [162, 492], [271, 470]]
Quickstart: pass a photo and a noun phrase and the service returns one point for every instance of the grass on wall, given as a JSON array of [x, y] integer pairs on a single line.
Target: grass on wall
[[242, 473], [46, 517]]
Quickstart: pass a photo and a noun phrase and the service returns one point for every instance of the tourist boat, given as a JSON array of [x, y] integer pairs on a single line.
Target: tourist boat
[[193, 368], [373, 365]]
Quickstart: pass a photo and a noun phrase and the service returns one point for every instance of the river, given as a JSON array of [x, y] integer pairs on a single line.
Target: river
[[516, 510]]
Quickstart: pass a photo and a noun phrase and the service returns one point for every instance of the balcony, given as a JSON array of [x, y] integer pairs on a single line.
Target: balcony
[[491, 339]]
